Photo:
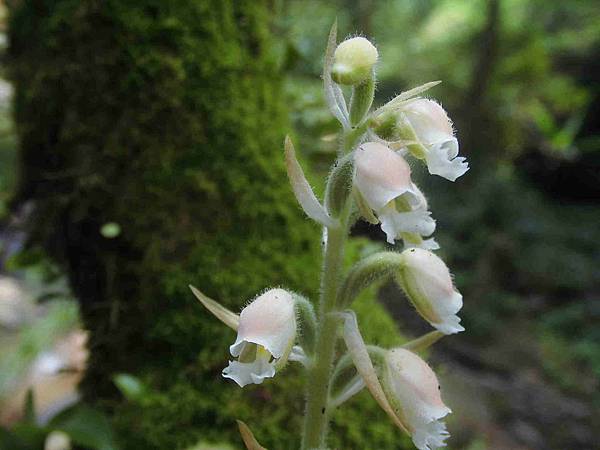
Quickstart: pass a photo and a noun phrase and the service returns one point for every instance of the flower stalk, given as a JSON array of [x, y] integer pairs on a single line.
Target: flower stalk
[[319, 377]]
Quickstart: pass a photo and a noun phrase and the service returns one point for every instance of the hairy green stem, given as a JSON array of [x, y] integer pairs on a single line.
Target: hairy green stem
[[319, 376]]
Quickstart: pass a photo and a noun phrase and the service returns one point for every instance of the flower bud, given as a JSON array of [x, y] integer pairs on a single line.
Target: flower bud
[[413, 391], [428, 284], [266, 334], [353, 61]]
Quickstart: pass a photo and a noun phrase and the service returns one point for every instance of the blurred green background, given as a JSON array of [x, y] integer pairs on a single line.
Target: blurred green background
[[520, 231]]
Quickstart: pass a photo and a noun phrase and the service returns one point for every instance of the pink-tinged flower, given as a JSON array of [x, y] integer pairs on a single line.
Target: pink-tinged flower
[[383, 182], [265, 336], [432, 129], [428, 284], [413, 391]]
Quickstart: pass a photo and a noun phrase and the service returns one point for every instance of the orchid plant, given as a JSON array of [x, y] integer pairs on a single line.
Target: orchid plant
[[371, 179]]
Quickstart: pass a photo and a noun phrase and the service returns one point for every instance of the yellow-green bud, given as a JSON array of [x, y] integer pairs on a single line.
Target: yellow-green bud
[[353, 61]]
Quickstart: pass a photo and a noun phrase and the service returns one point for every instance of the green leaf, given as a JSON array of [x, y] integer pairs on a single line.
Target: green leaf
[[131, 387], [86, 427]]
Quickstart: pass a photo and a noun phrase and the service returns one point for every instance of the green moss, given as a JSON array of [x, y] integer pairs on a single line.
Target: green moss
[[166, 119]]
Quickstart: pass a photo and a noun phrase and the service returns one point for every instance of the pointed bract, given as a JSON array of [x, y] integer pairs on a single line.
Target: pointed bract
[[302, 190], [407, 95], [229, 318], [249, 440], [334, 97], [362, 361]]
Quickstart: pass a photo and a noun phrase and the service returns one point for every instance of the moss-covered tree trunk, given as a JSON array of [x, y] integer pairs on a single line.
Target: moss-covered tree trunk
[[164, 117]]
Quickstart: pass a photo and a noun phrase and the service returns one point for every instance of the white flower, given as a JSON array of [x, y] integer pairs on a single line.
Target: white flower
[[432, 128], [265, 336], [383, 181], [413, 391], [353, 61], [428, 284]]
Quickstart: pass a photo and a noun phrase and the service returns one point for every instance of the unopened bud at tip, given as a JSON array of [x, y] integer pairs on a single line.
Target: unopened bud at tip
[[353, 61]]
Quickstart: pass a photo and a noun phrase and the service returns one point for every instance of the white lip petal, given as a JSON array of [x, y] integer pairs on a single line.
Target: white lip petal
[[450, 325], [426, 244], [393, 223], [430, 436], [442, 160], [249, 373]]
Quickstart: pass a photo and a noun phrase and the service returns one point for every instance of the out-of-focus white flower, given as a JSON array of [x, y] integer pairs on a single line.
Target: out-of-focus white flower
[[413, 391], [428, 284], [432, 128], [353, 61], [57, 440], [52, 377], [266, 334], [383, 181]]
